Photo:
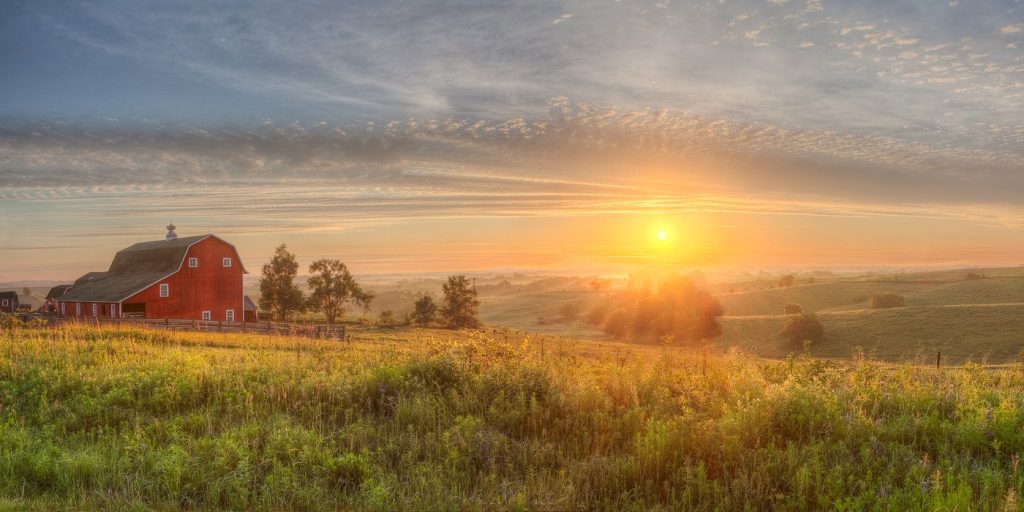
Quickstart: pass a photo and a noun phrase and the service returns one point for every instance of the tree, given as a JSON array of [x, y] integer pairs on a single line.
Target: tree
[[278, 292], [801, 328], [387, 319], [887, 300], [787, 281], [460, 303], [792, 309], [425, 311], [26, 291], [679, 308], [570, 311], [332, 287]]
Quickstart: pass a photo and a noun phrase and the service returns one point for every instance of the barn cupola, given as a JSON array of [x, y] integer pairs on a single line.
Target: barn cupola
[[171, 235]]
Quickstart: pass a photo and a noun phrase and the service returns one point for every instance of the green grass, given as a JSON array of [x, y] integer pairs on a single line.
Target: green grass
[[979, 333], [432, 420]]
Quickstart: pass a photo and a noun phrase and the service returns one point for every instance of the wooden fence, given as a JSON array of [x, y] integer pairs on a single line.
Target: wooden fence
[[319, 331]]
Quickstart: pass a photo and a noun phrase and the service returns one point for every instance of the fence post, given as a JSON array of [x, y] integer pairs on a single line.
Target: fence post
[[167, 323], [938, 360]]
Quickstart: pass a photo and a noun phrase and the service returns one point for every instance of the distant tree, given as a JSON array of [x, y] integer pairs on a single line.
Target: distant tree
[[971, 276], [386, 319], [786, 281], [792, 309], [26, 291], [678, 308], [811, 280], [425, 311], [460, 303], [570, 311], [332, 287], [887, 300], [801, 328], [599, 285], [278, 292]]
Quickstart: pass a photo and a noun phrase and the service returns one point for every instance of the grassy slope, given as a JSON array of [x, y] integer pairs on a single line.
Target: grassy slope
[[443, 421], [965, 319], [971, 332]]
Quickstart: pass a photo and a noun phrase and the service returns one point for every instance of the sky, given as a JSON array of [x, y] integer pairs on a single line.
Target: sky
[[472, 135]]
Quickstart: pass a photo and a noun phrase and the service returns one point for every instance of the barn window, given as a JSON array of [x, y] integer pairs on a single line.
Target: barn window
[[63, 310], [165, 290], [113, 311], [6, 302], [206, 315], [193, 263], [229, 315], [94, 310], [227, 262], [78, 309]]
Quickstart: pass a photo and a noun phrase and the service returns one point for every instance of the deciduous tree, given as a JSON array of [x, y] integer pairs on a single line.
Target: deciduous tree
[[278, 292], [460, 303], [332, 287]]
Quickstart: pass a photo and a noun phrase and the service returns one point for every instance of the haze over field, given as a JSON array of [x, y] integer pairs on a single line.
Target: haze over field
[[451, 136]]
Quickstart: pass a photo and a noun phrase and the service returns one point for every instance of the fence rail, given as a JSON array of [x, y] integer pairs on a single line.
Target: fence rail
[[319, 331]]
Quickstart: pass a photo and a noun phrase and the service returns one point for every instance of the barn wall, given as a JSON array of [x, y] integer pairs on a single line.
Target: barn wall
[[209, 287], [103, 310]]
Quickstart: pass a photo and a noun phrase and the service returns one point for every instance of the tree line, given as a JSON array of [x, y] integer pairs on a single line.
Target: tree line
[[333, 289]]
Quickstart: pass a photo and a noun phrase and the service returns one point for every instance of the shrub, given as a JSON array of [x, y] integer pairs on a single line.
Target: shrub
[[887, 300], [801, 328], [792, 309], [786, 281]]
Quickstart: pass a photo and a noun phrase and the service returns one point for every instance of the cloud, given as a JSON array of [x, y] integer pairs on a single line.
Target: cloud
[[1012, 29]]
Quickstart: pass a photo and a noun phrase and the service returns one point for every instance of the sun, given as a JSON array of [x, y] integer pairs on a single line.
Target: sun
[[662, 235]]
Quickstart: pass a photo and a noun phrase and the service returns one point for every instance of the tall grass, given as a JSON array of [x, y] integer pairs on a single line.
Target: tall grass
[[139, 419]]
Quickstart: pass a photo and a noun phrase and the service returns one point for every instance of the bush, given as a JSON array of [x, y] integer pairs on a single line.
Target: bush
[[801, 328], [787, 281], [792, 309], [887, 300]]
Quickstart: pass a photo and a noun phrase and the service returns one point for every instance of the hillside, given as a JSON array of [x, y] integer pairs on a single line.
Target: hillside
[[435, 420]]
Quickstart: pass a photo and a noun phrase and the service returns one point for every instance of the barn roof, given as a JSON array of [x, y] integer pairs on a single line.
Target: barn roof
[[57, 291], [8, 295], [133, 269]]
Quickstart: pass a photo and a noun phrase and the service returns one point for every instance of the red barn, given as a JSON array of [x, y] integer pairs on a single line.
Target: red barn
[[192, 278]]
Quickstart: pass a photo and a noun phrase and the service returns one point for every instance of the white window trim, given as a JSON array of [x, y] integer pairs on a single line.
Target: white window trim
[[113, 311], [63, 309], [229, 315], [78, 309], [207, 316], [226, 262], [165, 290], [193, 263], [95, 307], [6, 302]]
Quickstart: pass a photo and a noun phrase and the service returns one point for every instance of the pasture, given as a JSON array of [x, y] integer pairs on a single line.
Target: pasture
[[437, 420]]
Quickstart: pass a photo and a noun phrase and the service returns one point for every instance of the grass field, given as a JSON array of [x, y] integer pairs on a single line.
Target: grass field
[[435, 420], [977, 320]]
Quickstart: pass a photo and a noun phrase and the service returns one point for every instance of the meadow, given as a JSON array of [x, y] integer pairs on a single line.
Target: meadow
[[489, 420]]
